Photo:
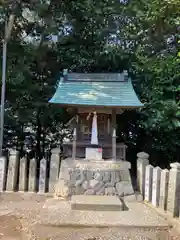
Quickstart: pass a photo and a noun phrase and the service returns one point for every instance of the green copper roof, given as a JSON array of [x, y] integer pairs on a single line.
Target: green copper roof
[[113, 90]]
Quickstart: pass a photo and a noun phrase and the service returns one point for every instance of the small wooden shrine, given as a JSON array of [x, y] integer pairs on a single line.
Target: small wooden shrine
[[96, 99]]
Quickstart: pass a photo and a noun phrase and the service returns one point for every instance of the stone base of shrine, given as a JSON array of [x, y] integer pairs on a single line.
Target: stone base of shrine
[[88, 177]]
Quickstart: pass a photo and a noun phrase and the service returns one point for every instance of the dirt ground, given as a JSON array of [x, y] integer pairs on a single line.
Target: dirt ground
[[10, 228], [18, 213]]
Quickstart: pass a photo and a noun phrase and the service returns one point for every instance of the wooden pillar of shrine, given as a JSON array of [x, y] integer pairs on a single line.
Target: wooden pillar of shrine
[[114, 134], [74, 139]]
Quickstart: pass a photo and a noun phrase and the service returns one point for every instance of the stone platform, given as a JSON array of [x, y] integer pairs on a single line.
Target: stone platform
[[53, 219], [59, 213], [88, 177], [96, 203]]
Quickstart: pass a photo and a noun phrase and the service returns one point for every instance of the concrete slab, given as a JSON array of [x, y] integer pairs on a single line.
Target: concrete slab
[[96, 203], [59, 213]]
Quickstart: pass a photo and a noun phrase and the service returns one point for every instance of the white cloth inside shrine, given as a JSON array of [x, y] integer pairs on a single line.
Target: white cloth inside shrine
[[94, 132]]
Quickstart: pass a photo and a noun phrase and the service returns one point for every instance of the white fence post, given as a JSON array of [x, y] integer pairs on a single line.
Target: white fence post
[[164, 189], [3, 166], [43, 176], [32, 175], [148, 183], [156, 186], [142, 162], [23, 174], [12, 170], [174, 189], [54, 169]]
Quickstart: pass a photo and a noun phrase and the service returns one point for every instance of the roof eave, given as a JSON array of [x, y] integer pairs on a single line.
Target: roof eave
[[96, 106]]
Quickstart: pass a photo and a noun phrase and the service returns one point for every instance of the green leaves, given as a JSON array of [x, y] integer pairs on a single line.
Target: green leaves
[[97, 36]]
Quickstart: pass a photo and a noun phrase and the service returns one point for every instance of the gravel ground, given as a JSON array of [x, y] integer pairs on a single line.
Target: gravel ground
[[18, 214], [10, 228]]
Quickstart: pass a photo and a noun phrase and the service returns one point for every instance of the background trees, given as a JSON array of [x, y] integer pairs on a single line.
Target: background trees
[[141, 36]]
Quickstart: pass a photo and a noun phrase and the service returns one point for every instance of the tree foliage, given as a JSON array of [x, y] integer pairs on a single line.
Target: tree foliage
[[96, 36]]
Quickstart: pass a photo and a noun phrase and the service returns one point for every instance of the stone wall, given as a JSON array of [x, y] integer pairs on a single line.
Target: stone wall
[[95, 178]]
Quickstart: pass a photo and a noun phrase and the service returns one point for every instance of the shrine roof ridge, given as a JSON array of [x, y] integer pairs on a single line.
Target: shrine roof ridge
[[95, 77]]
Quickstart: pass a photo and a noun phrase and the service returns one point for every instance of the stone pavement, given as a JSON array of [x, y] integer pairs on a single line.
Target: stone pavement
[[140, 222], [56, 220], [111, 233]]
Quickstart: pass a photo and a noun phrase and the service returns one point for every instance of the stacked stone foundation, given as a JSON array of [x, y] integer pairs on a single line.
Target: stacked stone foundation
[[94, 178]]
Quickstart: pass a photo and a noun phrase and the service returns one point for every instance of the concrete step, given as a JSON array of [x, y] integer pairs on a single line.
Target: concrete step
[[96, 203]]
